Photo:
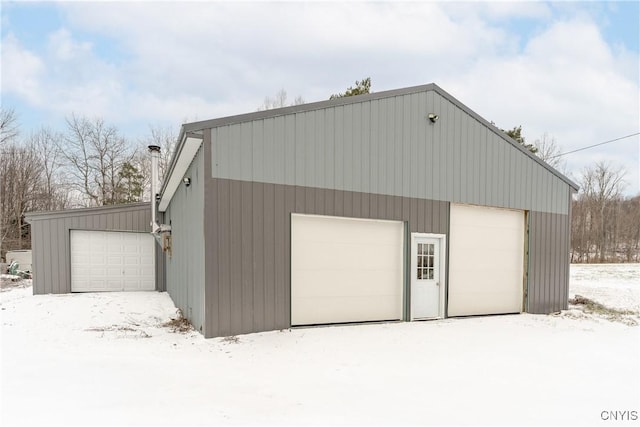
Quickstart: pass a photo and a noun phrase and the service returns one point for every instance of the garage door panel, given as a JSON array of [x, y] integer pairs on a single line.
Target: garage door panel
[[486, 274], [341, 230], [346, 257], [131, 260], [497, 238], [345, 270], [111, 271], [485, 303], [117, 261], [108, 284], [347, 309], [500, 282], [323, 284], [486, 260]]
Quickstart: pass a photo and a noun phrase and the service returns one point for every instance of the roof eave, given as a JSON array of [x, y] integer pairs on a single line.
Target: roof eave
[[188, 144]]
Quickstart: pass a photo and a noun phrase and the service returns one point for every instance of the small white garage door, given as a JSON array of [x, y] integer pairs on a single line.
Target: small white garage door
[[486, 260], [111, 261], [345, 270]]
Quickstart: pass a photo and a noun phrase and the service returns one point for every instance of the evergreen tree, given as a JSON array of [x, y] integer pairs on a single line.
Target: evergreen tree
[[131, 185], [516, 135], [362, 87]]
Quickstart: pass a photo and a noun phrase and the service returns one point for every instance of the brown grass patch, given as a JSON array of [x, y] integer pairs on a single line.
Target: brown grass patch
[[591, 306], [179, 324]]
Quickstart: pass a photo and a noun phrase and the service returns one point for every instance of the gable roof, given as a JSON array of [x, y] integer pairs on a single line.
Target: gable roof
[[192, 133]]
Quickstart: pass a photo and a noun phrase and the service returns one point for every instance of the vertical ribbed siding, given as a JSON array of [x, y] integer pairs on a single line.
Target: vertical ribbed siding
[[185, 267], [50, 233], [248, 235], [388, 146], [548, 285]]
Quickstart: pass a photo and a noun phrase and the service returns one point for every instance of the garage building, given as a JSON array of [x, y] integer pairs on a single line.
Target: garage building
[[108, 248], [396, 205]]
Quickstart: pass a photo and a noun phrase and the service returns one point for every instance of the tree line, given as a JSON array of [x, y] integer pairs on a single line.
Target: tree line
[[88, 163], [605, 224]]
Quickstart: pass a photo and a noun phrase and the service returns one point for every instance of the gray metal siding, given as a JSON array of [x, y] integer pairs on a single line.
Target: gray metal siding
[[248, 234], [50, 234], [185, 266], [388, 146], [548, 284]]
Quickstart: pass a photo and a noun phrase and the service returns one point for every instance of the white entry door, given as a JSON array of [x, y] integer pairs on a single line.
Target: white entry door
[[427, 276]]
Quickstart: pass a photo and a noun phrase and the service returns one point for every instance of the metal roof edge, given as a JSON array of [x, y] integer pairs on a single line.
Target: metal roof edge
[[41, 215], [504, 136], [182, 137], [318, 105], [179, 165]]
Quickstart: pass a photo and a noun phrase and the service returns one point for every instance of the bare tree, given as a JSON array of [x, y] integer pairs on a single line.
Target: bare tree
[[20, 182], [52, 194], [630, 229], [549, 151], [279, 101], [596, 210], [95, 153], [8, 125]]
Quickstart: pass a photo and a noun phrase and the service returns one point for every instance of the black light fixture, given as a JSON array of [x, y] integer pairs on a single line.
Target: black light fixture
[[187, 181], [433, 117]]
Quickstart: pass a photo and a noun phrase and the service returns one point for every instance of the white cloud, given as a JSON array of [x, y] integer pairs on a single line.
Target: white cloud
[[65, 48], [202, 60], [567, 82], [21, 71], [498, 10], [512, 9]]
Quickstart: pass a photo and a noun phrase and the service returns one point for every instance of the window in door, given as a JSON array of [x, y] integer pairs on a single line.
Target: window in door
[[425, 268]]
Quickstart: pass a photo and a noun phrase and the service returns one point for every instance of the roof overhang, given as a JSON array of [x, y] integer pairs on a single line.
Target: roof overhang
[[188, 145]]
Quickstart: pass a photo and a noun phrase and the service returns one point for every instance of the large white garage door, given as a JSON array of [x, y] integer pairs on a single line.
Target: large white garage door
[[345, 270], [111, 261], [486, 260]]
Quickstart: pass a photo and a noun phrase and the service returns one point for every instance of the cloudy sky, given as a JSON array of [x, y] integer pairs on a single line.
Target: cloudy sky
[[570, 70]]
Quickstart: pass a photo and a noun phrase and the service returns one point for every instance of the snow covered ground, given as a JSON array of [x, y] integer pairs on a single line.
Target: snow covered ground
[[106, 359], [614, 285]]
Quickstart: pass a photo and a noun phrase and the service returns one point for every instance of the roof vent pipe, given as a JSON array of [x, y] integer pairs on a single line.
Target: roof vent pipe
[[155, 155], [156, 228]]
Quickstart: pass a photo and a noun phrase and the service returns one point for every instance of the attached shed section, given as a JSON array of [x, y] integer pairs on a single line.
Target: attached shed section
[[95, 249], [416, 157]]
